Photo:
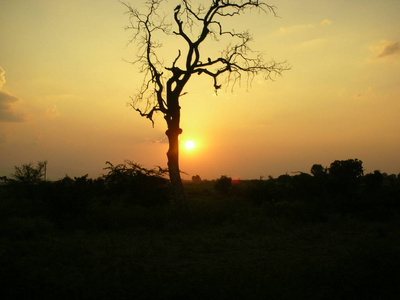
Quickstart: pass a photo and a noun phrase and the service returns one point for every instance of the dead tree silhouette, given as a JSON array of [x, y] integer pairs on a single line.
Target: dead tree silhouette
[[163, 85]]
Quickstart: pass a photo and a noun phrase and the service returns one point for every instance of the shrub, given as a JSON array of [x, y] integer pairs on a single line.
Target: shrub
[[27, 173], [137, 185], [25, 179], [223, 184], [344, 176]]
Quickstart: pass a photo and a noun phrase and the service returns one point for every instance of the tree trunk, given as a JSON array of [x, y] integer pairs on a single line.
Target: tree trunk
[[173, 166]]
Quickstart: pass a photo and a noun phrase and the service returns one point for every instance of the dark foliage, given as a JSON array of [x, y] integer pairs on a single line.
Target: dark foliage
[[137, 185], [297, 238], [28, 173], [68, 201], [25, 179], [223, 184], [341, 188], [196, 178], [344, 176]]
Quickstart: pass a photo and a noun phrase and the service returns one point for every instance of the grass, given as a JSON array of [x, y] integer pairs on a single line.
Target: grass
[[219, 247]]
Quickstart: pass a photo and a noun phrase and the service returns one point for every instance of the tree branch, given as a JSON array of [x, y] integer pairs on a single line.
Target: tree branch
[[235, 60]]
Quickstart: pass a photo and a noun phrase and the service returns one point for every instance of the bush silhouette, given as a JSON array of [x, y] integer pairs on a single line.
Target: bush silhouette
[[27, 173], [24, 180], [137, 185], [223, 184], [196, 178], [344, 176]]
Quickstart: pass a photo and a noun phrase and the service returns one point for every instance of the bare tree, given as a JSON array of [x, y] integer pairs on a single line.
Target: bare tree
[[27, 173], [163, 85]]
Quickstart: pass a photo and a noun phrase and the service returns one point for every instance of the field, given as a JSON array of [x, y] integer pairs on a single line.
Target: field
[[220, 246]]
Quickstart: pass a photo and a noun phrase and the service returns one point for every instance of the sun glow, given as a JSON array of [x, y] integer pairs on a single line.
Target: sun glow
[[189, 145]]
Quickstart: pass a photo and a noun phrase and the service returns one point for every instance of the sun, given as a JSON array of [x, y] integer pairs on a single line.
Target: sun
[[189, 145]]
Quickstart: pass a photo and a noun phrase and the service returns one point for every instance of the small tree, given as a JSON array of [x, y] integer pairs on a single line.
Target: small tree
[[318, 171], [28, 173], [344, 175], [223, 184], [163, 85], [140, 185], [346, 170], [196, 178]]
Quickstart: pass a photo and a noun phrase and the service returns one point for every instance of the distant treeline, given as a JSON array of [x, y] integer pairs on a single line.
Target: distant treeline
[[71, 199], [340, 188]]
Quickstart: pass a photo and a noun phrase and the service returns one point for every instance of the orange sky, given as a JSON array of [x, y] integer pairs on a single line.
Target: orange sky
[[64, 89]]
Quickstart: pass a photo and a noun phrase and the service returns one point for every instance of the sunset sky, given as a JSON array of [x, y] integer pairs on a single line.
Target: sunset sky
[[65, 85]]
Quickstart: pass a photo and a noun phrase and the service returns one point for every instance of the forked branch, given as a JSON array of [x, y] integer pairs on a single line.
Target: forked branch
[[194, 26]]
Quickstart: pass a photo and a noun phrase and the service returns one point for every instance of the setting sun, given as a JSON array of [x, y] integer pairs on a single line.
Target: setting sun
[[189, 145]]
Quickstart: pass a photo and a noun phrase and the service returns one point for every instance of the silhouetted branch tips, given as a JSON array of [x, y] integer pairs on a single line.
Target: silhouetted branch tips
[[148, 115], [28, 173], [237, 59]]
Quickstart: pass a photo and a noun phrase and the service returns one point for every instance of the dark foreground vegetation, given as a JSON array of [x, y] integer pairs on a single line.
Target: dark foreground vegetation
[[331, 234]]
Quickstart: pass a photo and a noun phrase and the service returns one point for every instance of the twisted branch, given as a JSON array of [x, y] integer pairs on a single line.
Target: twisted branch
[[162, 91]]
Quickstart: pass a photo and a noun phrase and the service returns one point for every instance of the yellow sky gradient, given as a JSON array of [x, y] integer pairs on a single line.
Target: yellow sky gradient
[[64, 89]]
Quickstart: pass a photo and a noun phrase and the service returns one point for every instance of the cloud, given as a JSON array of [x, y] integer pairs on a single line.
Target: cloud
[[7, 113], [295, 28], [326, 22], [2, 78], [314, 42], [161, 140], [388, 48], [364, 94], [302, 27], [52, 112]]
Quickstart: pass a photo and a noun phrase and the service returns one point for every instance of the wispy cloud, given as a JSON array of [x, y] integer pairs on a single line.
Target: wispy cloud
[[295, 28], [7, 113], [325, 22], [2, 77], [7, 101], [314, 42], [161, 140], [52, 112], [388, 48], [302, 27], [364, 94]]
